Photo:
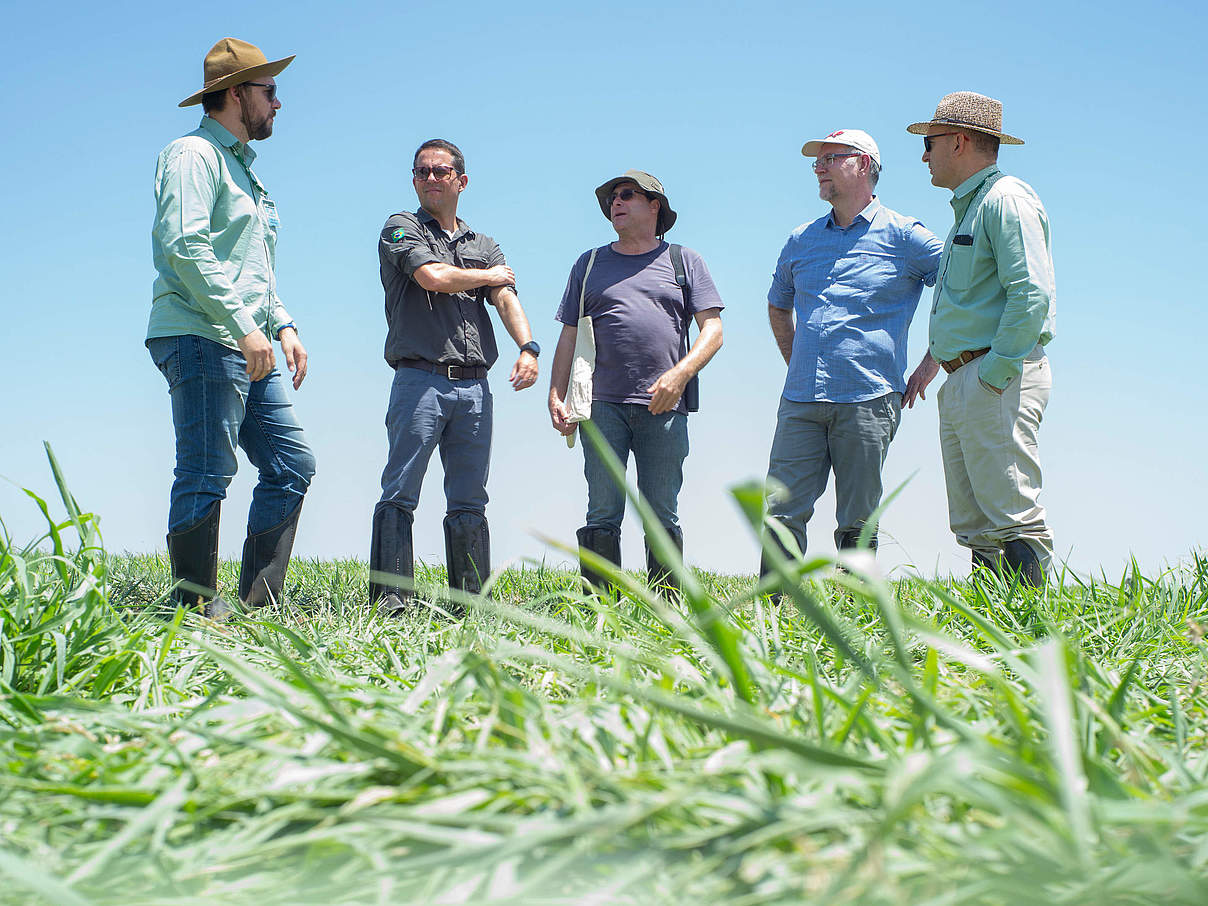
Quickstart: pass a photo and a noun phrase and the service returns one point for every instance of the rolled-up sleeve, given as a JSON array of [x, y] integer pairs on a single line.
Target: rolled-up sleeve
[[925, 250], [186, 194], [782, 291], [1019, 235]]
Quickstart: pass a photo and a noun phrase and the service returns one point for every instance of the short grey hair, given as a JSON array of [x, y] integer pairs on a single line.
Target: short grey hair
[[874, 172]]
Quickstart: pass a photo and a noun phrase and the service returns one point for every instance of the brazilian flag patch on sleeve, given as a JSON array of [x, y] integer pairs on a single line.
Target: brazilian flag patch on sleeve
[[397, 235]]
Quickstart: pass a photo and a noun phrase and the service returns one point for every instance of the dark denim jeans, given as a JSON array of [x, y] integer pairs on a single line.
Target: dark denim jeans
[[427, 411], [660, 446], [215, 407]]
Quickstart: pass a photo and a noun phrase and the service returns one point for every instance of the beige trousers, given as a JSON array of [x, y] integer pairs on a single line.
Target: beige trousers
[[991, 457]]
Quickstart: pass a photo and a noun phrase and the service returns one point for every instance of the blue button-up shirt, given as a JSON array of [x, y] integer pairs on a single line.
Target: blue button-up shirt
[[854, 292]]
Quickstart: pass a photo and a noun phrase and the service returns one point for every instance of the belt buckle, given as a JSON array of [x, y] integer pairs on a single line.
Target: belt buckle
[[449, 372]]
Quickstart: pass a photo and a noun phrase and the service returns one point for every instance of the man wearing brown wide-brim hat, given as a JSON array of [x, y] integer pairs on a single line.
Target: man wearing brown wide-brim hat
[[214, 311], [993, 316]]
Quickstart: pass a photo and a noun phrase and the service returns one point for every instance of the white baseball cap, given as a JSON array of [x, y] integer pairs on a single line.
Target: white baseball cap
[[856, 138]]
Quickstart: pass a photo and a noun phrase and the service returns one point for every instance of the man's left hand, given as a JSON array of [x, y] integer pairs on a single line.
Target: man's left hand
[[665, 393], [295, 354], [524, 372]]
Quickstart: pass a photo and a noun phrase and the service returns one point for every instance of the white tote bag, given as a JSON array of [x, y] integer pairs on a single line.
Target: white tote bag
[[583, 366]]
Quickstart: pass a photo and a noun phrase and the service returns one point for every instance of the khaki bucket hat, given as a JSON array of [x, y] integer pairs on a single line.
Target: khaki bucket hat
[[968, 110], [647, 184], [233, 62]]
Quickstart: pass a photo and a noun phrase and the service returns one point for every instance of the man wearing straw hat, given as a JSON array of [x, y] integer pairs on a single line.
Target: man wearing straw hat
[[853, 277], [440, 278], [640, 293], [992, 317], [214, 312]]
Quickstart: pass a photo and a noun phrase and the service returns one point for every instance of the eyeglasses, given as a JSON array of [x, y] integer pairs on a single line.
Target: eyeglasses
[[439, 171], [270, 91], [927, 139], [827, 160], [625, 194]]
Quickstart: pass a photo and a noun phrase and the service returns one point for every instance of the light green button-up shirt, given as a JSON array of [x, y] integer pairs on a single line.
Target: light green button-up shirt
[[996, 285], [213, 242]]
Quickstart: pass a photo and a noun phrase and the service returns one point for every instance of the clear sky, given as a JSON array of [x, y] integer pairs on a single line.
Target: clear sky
[[547, 100]]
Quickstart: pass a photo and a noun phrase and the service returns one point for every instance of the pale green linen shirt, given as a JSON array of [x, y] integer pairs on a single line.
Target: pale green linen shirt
[[213, 242], [996, 287]]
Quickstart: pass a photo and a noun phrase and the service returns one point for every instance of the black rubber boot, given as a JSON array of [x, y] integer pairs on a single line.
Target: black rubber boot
[[604, 542], [391, 554], [467, 551], [193, 553], [992, 564], [850, 540], [265, 559], [764, 568], [658, 574], [1019, 557]]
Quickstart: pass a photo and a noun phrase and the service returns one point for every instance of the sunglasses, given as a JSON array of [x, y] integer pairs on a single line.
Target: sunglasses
[[625, 195], [439, 171], [270, 91], [927, 139]]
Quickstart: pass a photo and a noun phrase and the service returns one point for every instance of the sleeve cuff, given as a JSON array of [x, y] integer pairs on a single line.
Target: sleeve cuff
[[998, 371]]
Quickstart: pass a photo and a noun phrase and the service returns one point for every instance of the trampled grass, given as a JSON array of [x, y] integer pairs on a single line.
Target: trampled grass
[[861, 742]]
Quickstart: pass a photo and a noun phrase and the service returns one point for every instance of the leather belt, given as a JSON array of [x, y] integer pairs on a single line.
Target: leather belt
[[452, 372], [963, 359]]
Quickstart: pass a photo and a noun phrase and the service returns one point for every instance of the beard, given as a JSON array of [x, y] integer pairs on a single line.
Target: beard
[[258, 128]]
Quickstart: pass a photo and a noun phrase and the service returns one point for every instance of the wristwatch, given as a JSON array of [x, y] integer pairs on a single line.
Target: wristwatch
[[531, 346]]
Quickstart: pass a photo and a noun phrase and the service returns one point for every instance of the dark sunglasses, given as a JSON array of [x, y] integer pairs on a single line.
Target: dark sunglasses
[[269, 90], [625, 194], [439, 171], [927, 139]]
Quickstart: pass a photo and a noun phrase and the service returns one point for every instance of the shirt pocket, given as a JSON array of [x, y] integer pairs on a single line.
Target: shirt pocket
[[958, 273]]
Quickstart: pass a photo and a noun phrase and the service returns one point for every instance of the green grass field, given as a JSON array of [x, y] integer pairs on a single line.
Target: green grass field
[[861, 742]]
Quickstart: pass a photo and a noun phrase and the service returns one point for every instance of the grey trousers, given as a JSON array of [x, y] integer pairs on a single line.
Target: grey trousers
[[992, 458], [814, 438]]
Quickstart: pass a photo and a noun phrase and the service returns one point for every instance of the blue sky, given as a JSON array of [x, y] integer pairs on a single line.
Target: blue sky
[[547, 101]]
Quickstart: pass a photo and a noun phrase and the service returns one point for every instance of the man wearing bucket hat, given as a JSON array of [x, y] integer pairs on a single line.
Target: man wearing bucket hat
[[439, 277], [853, 278], [992, 317], [640, 293], [214, 309]]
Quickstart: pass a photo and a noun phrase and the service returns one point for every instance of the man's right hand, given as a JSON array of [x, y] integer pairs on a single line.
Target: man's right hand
[[500, 275], [560, 417], [258, 353]]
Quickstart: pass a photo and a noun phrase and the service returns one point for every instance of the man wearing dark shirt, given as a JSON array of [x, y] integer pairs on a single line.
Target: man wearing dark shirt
[[640, 317], [438, 275]]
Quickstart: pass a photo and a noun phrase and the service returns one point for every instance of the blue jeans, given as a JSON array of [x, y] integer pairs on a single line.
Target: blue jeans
[[216, 407], [660, 446], [427, 411], [812, 439]]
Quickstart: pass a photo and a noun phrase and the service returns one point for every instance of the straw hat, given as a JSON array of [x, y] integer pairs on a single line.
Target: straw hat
[[968, 110], [233, 62], [647, 184]]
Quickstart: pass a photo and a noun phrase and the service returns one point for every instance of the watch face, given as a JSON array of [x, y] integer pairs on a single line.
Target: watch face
[[531, 346]]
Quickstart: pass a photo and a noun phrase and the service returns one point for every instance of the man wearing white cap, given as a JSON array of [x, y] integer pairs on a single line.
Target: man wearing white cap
[[214, 314], [992, 317], [853, 278]]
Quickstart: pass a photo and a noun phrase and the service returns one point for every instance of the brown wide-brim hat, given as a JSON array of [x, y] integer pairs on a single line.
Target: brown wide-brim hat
[[647, 184], [233, 62], [968, 110]]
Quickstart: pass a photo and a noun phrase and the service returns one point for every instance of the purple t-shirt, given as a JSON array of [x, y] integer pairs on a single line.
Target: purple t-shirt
[[637, 312]]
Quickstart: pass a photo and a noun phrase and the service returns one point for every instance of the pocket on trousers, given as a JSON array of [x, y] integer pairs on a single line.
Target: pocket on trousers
[[165, 353]]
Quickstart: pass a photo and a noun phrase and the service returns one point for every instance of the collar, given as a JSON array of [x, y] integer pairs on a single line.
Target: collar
[[221, 135], [425, 217], [869, 212], [970, 185]]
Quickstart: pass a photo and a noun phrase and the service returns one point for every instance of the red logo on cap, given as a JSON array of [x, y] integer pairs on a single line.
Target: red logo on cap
[[833, 134]]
